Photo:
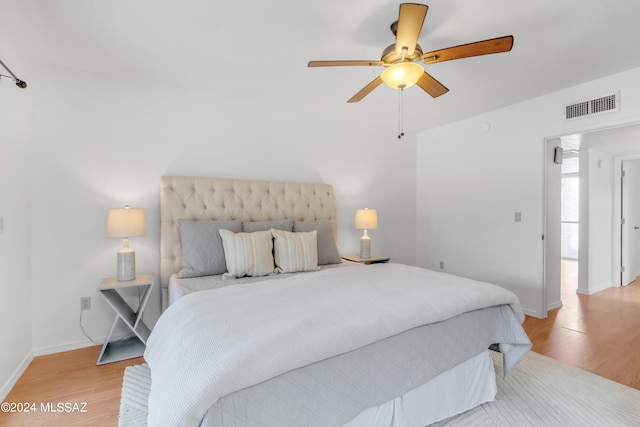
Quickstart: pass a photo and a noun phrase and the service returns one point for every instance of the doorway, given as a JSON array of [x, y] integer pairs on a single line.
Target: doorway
[[569, 221], [562, 219], [599, 155]]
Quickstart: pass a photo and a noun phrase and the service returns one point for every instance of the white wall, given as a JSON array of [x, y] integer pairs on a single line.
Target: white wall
[[470, 184], [15, 284], [100, 143], [596, 213]]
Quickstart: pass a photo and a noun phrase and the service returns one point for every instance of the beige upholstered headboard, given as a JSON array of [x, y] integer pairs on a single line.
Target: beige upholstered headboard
[[199, 198]]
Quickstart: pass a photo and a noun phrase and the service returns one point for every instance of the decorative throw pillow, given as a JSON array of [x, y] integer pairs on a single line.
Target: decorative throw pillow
[[280, 224], [295, 251], [202, 251], [247, 254], [327, 250]]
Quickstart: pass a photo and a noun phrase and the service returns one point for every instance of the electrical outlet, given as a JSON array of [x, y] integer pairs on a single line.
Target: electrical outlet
[[441, 265], [85, 303]]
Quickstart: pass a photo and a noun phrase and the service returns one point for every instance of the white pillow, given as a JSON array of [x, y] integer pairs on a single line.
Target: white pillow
[[295, 251], [247, 254]]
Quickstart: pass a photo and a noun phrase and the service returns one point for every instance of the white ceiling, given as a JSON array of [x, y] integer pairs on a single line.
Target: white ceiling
[[258, 50]]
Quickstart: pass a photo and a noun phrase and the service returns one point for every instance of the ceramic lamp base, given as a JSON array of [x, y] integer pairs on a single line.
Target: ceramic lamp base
[[126, 266], [365, 248]]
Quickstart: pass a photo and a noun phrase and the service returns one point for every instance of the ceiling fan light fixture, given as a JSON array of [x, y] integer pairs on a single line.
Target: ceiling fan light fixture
[[399, 59], [402, 75]]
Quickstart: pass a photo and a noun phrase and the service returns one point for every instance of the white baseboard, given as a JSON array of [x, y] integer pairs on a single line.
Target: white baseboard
[[594, 290], [554, 305], [59, 348], [75, 345], [13, 379], [532, 313]]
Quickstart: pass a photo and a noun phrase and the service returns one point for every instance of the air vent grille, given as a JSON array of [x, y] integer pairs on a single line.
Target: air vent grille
[[605, 104], [577, 110]]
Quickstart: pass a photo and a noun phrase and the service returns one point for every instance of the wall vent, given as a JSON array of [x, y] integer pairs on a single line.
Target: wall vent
[[604, 104]]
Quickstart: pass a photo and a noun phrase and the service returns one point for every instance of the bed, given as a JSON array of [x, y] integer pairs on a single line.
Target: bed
[[322, 342]]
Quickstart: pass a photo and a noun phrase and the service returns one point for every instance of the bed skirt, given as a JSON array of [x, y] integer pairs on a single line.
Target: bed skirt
[[469, 384], [453, 392]]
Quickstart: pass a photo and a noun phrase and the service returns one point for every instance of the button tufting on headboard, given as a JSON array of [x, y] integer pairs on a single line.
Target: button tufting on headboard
[[200, 198]]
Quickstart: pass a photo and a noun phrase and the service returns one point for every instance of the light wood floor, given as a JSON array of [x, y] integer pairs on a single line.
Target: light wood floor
[[70, 377], [598, 333]]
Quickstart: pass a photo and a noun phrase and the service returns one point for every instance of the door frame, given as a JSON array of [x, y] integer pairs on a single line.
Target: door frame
[[547, 263], [552, 227], [617, 215]]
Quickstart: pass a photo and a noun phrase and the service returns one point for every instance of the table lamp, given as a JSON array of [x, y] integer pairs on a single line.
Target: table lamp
[[366, 219], [126, 222]]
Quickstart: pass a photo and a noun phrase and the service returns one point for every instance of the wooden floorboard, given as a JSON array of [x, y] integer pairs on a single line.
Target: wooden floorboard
[[598, 333], [72, 379]]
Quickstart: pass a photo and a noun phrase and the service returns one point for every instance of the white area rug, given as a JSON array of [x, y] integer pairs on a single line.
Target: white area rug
[[135, 393], [539, 391]]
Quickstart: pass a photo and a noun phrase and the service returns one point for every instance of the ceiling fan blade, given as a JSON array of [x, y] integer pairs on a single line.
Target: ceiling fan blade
[[366, 90], [431, 85], [485, 47], [410, 20], [346, 63]]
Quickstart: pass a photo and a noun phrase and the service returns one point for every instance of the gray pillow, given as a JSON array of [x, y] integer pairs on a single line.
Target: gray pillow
[[202, 250], [327, 249], [278, 224]]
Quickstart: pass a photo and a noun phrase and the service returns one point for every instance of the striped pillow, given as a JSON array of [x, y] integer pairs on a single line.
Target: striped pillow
[[247, 254], [295, 251]]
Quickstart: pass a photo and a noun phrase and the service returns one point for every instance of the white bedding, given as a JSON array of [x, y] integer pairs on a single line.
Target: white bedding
[[269, 328], [181, 287]]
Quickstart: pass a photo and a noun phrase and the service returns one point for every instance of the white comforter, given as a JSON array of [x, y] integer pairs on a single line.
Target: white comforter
[[212, 343]]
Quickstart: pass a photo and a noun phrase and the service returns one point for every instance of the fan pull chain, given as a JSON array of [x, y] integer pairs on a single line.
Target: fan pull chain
[[401, 113], [401, 104]]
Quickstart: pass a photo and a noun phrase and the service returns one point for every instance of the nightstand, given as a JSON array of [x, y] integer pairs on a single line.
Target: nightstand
[[372, 260], [127, 348]]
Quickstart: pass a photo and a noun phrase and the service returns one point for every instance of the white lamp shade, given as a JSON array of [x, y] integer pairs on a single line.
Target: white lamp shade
[[126, 222], [402, 75], [366, 219]]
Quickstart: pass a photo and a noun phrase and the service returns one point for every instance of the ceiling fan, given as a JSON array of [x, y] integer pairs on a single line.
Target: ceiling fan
[[400, 59]]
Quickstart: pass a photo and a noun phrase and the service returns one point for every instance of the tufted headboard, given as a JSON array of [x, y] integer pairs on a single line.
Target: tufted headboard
[[199, 198]]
